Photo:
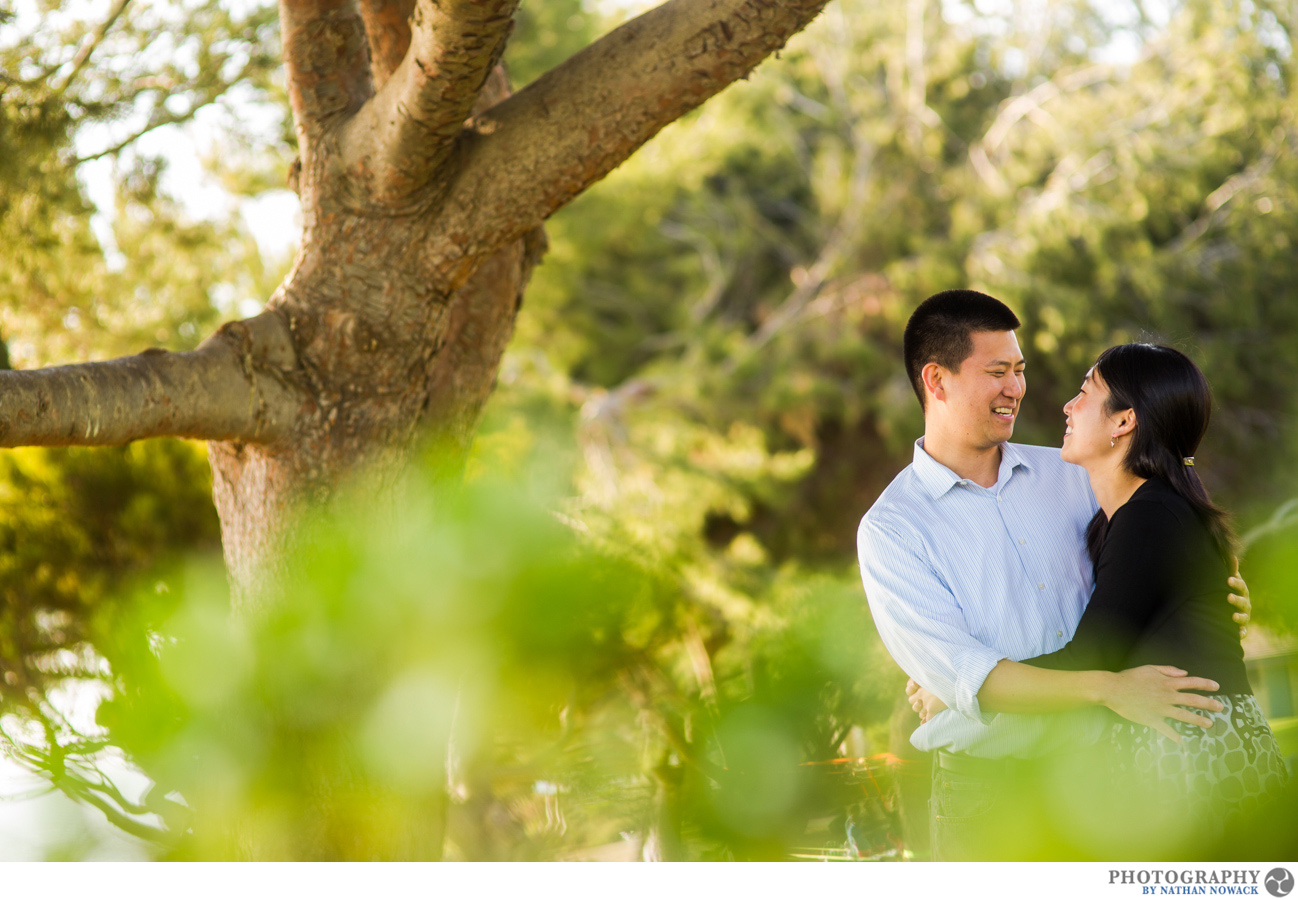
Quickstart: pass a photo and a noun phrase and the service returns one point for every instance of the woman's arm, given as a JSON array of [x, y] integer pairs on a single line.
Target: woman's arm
[[1147, 695]]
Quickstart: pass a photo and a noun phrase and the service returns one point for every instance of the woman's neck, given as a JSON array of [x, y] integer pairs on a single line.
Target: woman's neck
[[1112, 485]]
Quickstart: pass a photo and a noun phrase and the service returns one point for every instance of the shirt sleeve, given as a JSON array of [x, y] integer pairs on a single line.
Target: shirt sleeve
[[1133, 584], [920, 622]]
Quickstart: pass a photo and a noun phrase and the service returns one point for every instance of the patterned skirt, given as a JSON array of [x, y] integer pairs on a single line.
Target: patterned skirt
[[1215, 775]]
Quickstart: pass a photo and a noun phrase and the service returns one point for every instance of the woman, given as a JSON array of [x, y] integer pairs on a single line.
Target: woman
[[1161, 550]]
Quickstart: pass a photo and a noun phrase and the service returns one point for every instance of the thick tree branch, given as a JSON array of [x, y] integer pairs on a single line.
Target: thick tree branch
[[387, 25], [400, 138], [326, 62], [479, 323], [230, 388], [534, 152]]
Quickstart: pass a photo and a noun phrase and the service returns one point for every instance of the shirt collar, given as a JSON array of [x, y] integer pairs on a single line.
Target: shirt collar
[[937, 479]]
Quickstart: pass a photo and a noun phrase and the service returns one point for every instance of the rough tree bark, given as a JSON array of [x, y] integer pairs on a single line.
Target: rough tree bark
[[424, 185]]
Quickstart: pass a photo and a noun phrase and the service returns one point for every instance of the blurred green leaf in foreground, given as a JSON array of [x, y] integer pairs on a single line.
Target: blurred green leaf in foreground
[[473, 676]]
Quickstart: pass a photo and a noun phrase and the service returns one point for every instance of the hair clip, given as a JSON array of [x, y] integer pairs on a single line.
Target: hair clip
[[1187, 460]]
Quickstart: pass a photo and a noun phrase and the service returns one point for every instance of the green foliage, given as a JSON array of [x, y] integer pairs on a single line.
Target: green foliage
[[80, 532], [564, 676], [62, 298], [547, 32], [75, 526]]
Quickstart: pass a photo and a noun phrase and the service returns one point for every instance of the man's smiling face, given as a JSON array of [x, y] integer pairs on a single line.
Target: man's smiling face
[[983, 398]]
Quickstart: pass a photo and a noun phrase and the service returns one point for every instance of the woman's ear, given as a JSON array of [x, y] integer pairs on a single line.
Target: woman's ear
[[1124, 422]]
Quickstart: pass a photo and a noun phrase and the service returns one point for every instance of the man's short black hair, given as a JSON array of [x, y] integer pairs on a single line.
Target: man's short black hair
[[941, 331]]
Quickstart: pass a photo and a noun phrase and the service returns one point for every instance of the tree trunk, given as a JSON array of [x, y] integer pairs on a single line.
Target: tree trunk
[[387, 360], [392, 361]]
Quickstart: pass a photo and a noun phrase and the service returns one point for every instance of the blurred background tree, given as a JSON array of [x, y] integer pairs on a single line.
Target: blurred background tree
[[703, 396]]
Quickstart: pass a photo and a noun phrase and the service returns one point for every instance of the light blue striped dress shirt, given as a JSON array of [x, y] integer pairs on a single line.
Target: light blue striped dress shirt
[[959, 577]]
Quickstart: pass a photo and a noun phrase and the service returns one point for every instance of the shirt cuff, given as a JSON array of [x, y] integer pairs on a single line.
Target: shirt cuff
[[974, 667]]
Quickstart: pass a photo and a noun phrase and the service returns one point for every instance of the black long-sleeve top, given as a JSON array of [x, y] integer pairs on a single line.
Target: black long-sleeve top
[[1160, 597]]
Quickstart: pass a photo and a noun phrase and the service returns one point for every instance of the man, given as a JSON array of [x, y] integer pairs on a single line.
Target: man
[[975, 553]]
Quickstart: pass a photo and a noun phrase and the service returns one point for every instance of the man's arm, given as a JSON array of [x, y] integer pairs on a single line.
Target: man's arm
[[919, 620]]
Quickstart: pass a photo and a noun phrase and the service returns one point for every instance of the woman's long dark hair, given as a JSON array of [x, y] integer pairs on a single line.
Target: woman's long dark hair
[[1173, 404]]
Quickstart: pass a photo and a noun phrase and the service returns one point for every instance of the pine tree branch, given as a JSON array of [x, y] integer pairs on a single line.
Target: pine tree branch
[[88, 49], [531, 154], [387, 25], [326, 63], [235, 386], [155, 122], [399, 140]]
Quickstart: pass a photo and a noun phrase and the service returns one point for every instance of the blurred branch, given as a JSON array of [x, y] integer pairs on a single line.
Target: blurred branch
[[916, 77], [62, 774], [1214, 203], [717, 270], [161, 116], [78, 790], [155, 122], [701, 662], [1284, 517], [1015, 109], [809, 281], [87, 50], [638, 681], [42, 791]]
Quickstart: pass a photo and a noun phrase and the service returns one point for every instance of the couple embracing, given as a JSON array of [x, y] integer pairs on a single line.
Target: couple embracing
[[1063, 614]]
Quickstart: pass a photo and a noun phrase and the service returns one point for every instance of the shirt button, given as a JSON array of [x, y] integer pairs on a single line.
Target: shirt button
[[1041, 587], [1022, 541], [1059, 634], [998, 499]]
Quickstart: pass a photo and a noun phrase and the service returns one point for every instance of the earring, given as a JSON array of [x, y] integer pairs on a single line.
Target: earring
[[1113, 442]]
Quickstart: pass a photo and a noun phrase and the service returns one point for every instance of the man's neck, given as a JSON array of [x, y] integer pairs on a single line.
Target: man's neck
[[981, 465]]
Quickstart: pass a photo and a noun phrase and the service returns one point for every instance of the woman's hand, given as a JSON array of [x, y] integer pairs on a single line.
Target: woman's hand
[[926, 705], [1150, 695]]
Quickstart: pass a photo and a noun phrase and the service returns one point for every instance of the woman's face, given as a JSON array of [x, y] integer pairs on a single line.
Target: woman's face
[[1088, 430]]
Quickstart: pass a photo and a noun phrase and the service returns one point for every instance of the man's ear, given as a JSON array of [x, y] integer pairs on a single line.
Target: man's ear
[[933, 377], [1124, 422]]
